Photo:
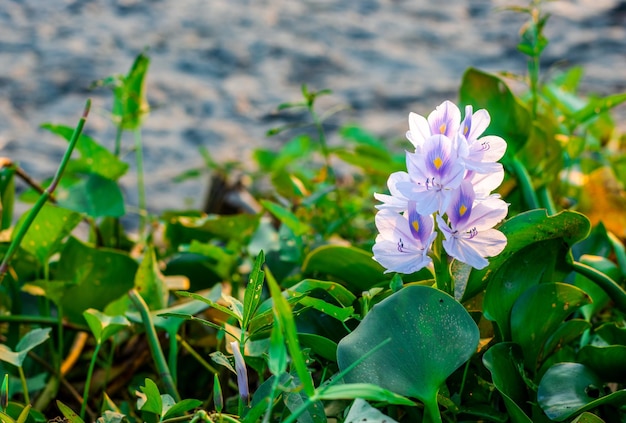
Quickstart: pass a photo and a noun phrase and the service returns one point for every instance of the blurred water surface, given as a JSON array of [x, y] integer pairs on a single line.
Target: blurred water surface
[[220, 67]]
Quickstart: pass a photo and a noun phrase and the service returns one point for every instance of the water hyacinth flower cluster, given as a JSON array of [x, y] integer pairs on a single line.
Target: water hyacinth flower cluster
[[445, 198]]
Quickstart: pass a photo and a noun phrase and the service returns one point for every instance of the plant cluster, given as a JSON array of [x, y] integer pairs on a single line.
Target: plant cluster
[[494, 290]]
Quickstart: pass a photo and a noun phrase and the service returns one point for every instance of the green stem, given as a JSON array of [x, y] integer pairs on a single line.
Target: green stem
[[92, 365], [155, 346], [4, 266], [612, 288], [141, 188], [172, 356], [431, 411], [525, 183], [24, 385], [118, 141], [443, 278], [546, 199], [195, 355]]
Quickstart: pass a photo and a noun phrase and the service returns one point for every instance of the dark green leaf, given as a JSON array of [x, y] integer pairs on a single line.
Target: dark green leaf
[[93, 195], [252, 296]]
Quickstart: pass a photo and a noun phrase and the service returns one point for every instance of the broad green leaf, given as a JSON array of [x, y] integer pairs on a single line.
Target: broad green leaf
[[431, 336], [527, 229], [567, 332], [109, 416], [99, 276], [366, 391], [361, 411], [538, 312], [608, 362], [612, 333], [509, 117], [211, 303], [353, 266], [68, 413], [252, 296], [95, 158], [567, 389], [503, 361], [47, 232], [150, 398], [287, 218], [103, 326], [182, 229], [4, 393], [93, 195]]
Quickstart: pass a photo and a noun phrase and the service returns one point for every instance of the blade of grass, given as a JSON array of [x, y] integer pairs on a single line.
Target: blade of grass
[[47, 194]]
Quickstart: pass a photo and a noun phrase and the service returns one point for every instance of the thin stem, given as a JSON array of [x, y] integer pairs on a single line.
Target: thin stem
[[141, 189], [525, 183], [546, 199], [118, 141], [172, 355], [612, 288], [92, 365], [47, 194], [443, 278], [155, 346], [24, 385], [195, 355], [431, 411]]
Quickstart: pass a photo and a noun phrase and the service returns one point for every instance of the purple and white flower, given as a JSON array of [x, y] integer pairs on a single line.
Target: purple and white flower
[[404, 240]]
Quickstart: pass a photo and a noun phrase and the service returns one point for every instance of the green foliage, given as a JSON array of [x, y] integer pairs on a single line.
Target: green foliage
[[536, 336]]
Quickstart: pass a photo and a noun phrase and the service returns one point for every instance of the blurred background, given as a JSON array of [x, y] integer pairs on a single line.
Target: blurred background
[[220, 68]]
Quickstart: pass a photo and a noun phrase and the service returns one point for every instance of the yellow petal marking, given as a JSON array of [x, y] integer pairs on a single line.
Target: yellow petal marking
[[416, 225], [437, 162], [442, 128], [462, 210]]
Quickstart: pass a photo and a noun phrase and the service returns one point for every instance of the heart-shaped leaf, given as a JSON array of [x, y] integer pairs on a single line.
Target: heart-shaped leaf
[[431, 336], [103, 326]]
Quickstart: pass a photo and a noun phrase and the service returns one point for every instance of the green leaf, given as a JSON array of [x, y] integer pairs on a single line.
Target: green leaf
[[151, 400], [150, 282], [587, 418], [510, 119], [287, 218], [4, 393], [503, 361], [568, 389], [277, 354], [211, 303], [94, 157], [609, 362], [319, 345], [340, 313], [598, 106], [335, 290], [537, 314], [69, 414], [567, 332], [599, 297], [361, 411], [98, 275], [181, 408], [284, 318], [47, 232], [7, 196], [431, 336], [93, 195], [130, 104], [366, 391], [103, 326], [29, 341], [528, 229], [353, 266], [252, 296]]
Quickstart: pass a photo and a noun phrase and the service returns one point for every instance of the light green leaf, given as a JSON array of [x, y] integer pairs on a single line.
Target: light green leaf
[[103, 326]]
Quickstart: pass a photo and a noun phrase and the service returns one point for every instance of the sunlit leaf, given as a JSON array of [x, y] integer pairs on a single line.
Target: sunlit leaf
[[431, 336], [93, 195], [103, 326]]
